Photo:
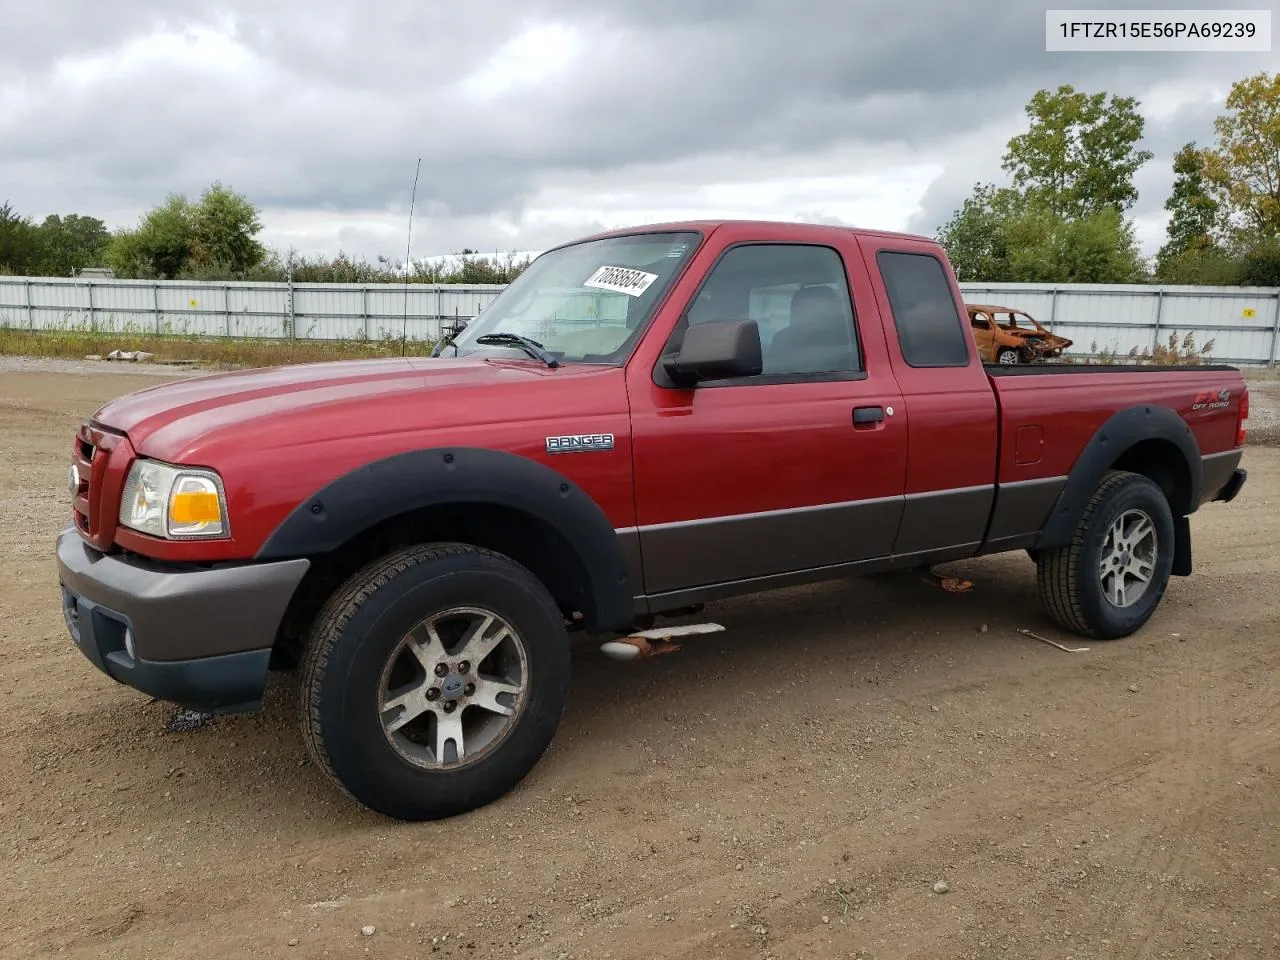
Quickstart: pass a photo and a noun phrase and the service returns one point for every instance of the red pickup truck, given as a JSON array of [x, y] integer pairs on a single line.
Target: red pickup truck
[[642, 422]]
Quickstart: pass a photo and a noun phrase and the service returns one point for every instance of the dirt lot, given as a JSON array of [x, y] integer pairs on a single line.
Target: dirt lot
[[792, 788]]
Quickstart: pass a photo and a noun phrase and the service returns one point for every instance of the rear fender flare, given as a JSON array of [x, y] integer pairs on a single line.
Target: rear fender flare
[[376, 492], [1122, 432]]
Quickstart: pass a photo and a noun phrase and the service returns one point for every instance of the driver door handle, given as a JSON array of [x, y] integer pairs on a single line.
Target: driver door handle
[[867, 415]]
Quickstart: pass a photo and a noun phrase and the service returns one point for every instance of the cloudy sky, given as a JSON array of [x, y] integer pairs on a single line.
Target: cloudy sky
[[539, 120]]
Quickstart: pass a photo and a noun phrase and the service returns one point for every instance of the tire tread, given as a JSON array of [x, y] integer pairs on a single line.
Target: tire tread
[[1058, 571], [333, 618]]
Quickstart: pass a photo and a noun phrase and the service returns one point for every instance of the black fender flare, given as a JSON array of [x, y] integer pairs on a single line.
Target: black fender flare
[[378, 491], [1121, 432]]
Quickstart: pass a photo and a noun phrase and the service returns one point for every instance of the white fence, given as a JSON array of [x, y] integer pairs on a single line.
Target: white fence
[[1242, 322], [315, 311]]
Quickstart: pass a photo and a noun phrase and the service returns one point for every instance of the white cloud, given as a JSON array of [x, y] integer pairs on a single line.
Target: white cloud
[[540, 120]]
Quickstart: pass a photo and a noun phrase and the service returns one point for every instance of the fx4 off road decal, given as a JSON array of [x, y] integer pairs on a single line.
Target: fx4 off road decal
[[1211, 400]]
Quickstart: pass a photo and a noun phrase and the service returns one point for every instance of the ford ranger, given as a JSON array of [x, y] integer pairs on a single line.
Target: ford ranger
[[642, 422]]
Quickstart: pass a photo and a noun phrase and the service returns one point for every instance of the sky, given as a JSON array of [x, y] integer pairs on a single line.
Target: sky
[[538, 121]]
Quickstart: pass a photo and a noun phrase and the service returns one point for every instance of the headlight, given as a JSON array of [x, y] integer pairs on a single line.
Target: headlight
[[177, 503]]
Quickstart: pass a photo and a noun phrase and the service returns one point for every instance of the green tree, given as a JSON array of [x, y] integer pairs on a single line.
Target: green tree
[[975, 238], [159, 247], [1043, 246], [1080, 153], [214, 238], [1260, 265], [19, 242], [224, 229], [1190, 250], [69, 244], [1000, 234], [1243, 168]]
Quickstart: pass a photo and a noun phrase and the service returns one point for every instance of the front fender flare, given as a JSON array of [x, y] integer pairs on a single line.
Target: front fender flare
[[376, 492]]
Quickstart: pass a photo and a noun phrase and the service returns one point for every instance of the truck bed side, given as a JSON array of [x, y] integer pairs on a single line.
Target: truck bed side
[[1177, 425]]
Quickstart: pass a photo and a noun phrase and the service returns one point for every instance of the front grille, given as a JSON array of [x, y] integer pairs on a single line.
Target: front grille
[[94, 516]]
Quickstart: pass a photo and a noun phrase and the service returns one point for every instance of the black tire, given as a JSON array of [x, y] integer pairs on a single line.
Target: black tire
[[1071, 587], [1008, 355], [359, 631]]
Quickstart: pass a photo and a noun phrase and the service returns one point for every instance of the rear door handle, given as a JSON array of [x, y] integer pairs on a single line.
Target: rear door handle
[[867, 415]]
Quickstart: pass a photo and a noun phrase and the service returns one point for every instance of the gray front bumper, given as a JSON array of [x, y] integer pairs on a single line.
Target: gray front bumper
[[200, 637]]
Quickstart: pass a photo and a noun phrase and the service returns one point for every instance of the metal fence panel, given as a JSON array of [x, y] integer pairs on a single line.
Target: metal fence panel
[[1242, 322]]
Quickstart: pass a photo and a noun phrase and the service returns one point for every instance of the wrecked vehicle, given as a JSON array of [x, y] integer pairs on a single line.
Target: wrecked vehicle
[[1009, 335], [741, 406]]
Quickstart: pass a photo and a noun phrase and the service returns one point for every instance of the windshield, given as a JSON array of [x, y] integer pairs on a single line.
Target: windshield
[[583, 303], [1017, 321]]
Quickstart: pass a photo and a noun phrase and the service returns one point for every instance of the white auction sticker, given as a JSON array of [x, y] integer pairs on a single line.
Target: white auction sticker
[[621, 280], [1139, 31]]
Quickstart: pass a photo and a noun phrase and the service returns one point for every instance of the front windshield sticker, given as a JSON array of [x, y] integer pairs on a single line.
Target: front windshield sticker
[[621, 280]]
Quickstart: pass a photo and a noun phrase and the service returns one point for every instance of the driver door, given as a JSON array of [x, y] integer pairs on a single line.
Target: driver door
[[799, 468]]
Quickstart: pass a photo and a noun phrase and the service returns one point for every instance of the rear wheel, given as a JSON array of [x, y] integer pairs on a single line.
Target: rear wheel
[[434, 681], [1008, 355], [1109, 580]]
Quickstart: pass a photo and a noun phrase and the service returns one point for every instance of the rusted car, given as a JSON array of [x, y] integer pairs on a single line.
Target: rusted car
[[1010, 335]]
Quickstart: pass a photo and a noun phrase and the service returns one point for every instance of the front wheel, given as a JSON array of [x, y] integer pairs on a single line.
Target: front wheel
[[1109, 580], [1008, 355], [434, 681]]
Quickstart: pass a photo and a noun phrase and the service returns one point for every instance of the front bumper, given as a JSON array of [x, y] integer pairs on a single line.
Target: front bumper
[[200, 637]]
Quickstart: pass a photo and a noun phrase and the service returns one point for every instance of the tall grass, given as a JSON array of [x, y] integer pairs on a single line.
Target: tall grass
[[215, 352], [1174, 352]]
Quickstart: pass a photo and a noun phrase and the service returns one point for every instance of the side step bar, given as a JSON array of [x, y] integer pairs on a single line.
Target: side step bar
[[651, 643]]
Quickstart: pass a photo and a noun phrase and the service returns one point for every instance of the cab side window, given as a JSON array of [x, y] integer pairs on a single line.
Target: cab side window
[[798, 295]]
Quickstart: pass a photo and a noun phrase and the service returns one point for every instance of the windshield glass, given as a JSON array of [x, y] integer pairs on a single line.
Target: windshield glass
[[583, 303], [1017, 321]]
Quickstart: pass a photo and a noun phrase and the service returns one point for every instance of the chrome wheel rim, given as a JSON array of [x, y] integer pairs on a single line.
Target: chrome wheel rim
[[1128, 560], [453, 688], [1008, 356]]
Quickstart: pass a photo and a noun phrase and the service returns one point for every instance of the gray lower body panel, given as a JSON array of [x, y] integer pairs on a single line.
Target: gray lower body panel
[[699, 561], [1021, 510], [682, 555], [678, 599], [191, 635], [943, 518], [1216, 471]]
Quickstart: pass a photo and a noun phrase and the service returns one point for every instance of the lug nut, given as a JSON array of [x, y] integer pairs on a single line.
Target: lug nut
[[450, 706], [469, 689], [441, 669], [433, 693], [464, 666]]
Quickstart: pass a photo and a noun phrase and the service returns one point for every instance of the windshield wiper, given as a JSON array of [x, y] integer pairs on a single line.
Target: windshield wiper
[[532, 347]]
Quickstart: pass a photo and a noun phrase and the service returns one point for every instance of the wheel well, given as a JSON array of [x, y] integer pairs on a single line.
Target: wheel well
[[1164, 464], [523, 537]]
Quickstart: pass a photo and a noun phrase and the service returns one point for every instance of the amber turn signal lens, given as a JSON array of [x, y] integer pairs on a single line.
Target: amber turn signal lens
[[199, 506]]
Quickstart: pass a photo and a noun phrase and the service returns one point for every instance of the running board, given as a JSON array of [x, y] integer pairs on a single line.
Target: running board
[[651, 643]]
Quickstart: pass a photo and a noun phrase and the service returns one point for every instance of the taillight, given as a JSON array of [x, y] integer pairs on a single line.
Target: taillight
[[1242, 421]]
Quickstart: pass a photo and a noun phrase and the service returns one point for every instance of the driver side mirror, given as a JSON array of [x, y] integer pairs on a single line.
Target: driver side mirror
[[716, 351]]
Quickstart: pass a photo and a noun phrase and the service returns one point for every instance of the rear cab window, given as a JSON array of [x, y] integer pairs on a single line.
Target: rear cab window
[[930, 330]]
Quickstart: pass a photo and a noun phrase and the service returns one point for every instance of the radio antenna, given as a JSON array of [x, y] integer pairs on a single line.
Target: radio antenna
[[404, 327]]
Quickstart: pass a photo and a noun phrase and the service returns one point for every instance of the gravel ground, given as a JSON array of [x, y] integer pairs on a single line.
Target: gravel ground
[[871, 769]]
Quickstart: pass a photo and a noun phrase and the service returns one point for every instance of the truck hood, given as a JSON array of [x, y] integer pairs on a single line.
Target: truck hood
[[288, 405]]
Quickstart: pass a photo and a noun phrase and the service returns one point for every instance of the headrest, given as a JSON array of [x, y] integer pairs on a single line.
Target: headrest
[[814, 302]]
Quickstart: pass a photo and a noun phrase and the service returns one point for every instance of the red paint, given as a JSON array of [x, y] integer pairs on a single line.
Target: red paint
[[276, 436], [746, 449]]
